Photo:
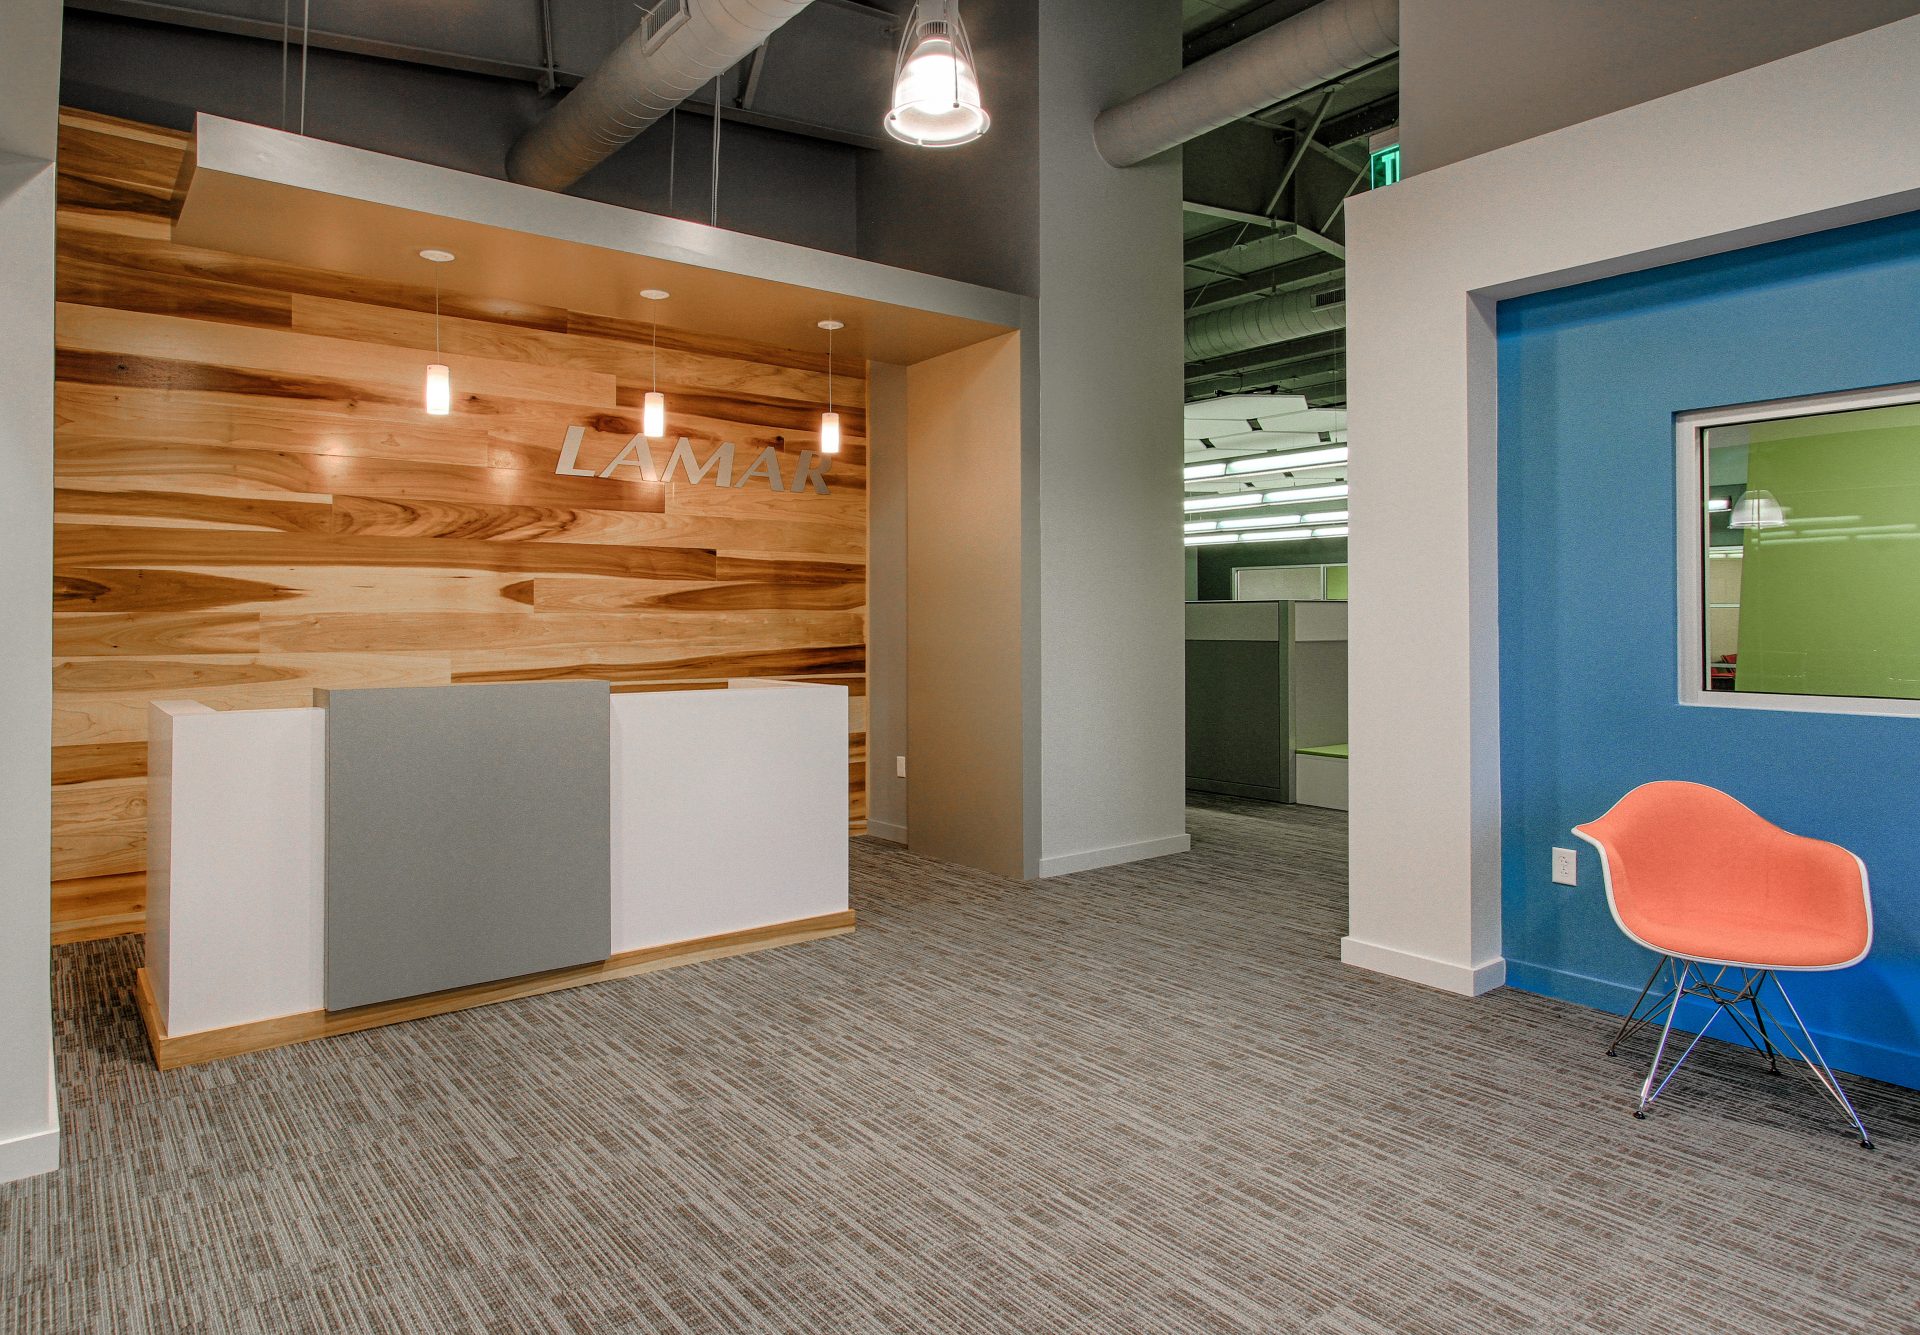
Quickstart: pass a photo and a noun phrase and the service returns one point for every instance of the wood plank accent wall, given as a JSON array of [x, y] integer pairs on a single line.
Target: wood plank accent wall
[[251, 503]]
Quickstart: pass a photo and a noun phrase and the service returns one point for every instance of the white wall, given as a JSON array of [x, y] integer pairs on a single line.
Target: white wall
[[1787, 148], [1110, 361], [886, 599], [29, 65], [1476, 75]]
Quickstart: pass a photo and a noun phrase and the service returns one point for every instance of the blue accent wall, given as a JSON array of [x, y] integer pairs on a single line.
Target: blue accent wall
[[1590, 380]]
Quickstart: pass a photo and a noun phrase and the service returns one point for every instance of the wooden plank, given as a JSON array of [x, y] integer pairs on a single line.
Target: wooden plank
[[170, 1052], [93, 761], [89, 908]]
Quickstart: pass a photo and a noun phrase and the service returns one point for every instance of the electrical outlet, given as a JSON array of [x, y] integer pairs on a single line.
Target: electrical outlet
[[899, 767], [1566, 867]]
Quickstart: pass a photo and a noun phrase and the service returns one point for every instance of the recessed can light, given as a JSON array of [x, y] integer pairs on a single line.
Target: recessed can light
[[437, 256]]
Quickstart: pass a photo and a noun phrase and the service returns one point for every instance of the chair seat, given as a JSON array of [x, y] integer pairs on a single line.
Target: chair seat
[[1733, 937]]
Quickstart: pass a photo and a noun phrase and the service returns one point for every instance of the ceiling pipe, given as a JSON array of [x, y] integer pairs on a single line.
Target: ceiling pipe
[[1277, 319], [658, 66], [1313, 47]]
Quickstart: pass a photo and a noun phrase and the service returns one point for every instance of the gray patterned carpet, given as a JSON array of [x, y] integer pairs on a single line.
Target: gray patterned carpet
[[1145, 1099]]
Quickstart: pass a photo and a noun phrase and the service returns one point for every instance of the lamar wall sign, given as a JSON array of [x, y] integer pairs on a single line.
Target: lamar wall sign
[[809, 470]]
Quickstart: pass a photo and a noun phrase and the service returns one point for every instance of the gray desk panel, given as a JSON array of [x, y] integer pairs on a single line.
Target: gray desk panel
[[467, 835]]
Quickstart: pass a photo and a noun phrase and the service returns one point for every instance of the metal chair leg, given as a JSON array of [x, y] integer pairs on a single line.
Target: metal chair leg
[[1648, 1092], [1773, 1058], [1816, 1062], [1633, 1012]]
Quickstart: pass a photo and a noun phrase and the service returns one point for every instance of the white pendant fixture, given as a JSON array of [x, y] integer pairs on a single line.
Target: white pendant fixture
[[1757, 509], [830, 420], [439, 388], [936, 86], [653, 411]]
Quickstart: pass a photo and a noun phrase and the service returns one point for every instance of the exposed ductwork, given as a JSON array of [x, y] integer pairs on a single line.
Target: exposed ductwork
[[1333, 38], [1277, 319], [678, 47]]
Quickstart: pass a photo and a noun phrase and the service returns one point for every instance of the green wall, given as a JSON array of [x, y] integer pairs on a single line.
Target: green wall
[[1833, 608]]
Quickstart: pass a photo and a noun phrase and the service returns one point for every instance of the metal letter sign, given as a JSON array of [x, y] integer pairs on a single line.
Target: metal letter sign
[[809, 472]]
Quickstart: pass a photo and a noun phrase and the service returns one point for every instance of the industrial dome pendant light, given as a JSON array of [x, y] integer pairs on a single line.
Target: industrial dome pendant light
[[830, 420], [936, 86], [1757, 509], [439, 390], [653, 413]]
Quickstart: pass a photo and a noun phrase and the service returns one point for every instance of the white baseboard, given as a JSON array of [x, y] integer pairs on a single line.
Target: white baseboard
[[887, 830], [1467, 980], [1067, 863], [34, 1152]]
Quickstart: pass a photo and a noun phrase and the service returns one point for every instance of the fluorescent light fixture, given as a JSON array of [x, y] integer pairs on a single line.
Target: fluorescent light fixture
[[1337, 531], [1283, 535], [1718, 503], [1211, 539], [1204, 526], [1278, 463], [1198, 503], [936, 91], [1262, 521], [1327, 517], [1268, 463]]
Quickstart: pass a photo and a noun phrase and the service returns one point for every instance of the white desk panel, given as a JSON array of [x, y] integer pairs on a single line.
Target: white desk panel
[[729, 809]]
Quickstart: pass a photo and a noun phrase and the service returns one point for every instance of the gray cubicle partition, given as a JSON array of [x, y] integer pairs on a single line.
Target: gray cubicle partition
[[467, 835], [1239, 741]]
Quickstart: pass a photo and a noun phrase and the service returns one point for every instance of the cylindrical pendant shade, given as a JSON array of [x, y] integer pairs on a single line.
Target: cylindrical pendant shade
[[829, 433], [439, 391], [653, 416]]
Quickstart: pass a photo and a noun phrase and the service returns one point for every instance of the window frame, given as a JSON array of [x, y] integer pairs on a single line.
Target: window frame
[[1690, 452]]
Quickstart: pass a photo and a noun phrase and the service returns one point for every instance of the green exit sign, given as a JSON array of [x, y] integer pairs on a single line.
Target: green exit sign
[[1383, 166]]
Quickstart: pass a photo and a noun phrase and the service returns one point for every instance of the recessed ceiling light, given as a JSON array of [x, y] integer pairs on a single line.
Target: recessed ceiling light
[[437, 256], [654, 294]]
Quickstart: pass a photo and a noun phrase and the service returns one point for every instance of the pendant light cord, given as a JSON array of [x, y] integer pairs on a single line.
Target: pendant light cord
[[656, 354], [830, 370], [306, 34], [436, 317]]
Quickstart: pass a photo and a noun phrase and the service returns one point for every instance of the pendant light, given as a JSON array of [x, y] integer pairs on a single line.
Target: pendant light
[[936, 86], [439, 390], [1757, 509], [830, 420], [653, 412]]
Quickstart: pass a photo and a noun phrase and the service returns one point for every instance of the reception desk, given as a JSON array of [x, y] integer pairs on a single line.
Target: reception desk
[[707, 823]]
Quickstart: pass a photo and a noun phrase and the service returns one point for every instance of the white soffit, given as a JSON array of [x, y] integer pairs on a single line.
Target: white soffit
[[250, 190]]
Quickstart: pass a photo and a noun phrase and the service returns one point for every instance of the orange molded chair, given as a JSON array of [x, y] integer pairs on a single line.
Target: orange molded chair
[[1728, 901]]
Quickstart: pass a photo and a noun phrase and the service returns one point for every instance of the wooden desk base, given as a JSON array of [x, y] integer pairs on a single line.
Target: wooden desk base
[[286, 1030]]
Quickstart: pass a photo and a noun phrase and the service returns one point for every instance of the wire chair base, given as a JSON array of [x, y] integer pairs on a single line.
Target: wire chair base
[[1683, 978]]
